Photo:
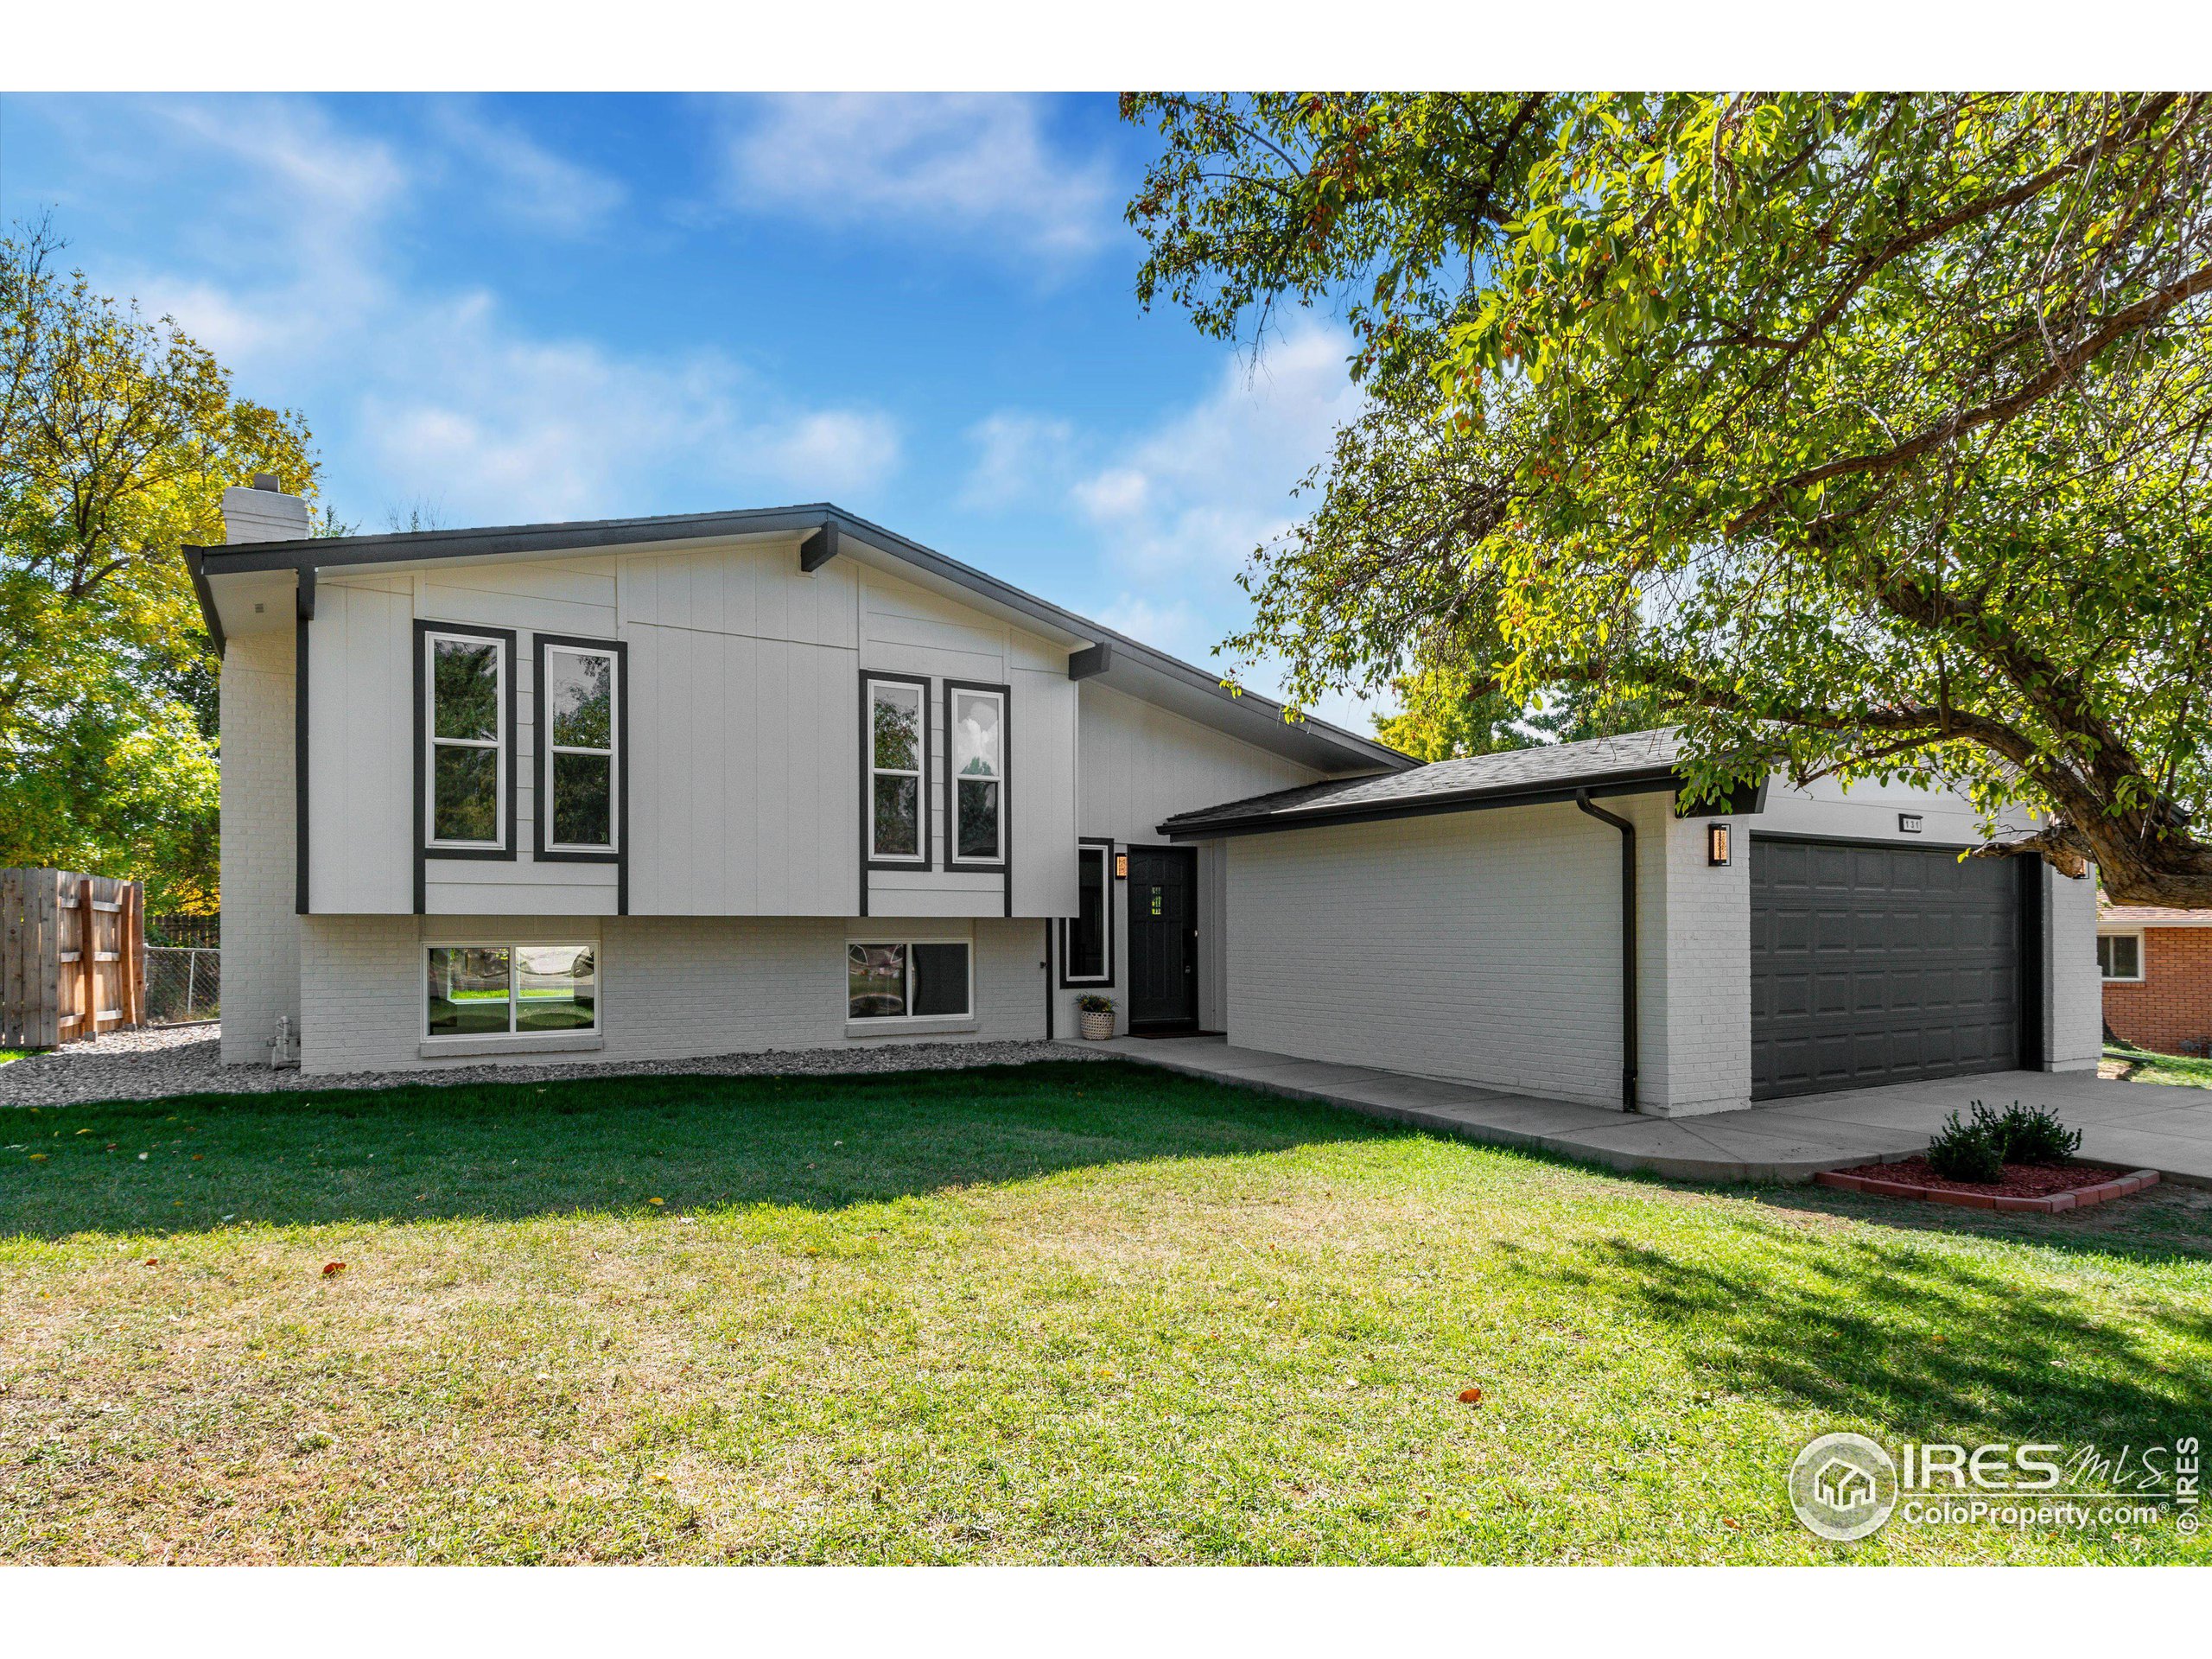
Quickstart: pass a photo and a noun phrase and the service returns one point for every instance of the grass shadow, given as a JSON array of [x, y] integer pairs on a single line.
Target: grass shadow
[[508, 1151], [1875, 1325]]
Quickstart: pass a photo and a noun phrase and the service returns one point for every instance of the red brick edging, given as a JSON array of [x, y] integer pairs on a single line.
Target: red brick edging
[[2080, 1198]]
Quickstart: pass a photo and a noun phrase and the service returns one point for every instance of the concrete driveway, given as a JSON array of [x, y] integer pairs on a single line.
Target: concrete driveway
[[2128, 1125]]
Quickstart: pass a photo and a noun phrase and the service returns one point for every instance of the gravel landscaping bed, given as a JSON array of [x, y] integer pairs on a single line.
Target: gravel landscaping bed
[[151, 1064]]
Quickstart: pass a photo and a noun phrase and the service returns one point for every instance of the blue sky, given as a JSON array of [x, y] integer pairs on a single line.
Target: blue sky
[[513, 308]]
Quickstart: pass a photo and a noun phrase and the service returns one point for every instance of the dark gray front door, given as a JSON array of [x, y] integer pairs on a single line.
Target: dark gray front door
[[1874, 965], [1163, 937]]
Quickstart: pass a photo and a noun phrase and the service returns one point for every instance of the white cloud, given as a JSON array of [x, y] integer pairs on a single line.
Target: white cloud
[[521, 178], [303, 291], [1020, 458], [1212, 481], [932, 162]]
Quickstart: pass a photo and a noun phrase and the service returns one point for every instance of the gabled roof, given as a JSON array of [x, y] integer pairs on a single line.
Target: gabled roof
[[1634, 763], [1124, 663]]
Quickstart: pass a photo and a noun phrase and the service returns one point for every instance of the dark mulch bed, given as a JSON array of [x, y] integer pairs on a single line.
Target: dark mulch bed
[[2021, 1180]]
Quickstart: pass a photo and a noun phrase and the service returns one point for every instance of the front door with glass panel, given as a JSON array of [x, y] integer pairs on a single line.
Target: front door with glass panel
[[1163, 939]]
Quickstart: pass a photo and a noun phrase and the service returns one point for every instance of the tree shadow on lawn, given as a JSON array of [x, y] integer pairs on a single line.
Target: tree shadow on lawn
[[507, 1150], [1931, 1341]]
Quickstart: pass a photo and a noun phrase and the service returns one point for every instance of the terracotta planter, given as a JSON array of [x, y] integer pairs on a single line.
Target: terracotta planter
[[1097, 1027]]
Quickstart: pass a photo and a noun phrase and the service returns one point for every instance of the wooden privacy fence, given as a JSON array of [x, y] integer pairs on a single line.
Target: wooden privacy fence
[[72, 957]]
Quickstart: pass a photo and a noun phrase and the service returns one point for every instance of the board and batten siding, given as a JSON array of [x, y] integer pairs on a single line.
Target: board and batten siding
[[743, 726], [1136, 765]]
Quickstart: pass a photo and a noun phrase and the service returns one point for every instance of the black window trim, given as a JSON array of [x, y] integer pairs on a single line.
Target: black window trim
[[506, 851], [542, 773], [1105, 843], [1003, 864], [869, 858]]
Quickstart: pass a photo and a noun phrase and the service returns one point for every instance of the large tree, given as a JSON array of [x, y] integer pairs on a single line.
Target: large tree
[[1865, 434], [118, 436]]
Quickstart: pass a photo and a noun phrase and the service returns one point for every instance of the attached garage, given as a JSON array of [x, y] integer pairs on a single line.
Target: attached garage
[[1882, 964], [1550, 922]]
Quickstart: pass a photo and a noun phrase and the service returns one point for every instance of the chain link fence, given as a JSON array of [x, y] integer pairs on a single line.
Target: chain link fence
[[184, 985]]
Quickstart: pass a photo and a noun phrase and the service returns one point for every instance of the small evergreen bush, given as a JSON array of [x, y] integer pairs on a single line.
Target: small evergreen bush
[[2034, 1136], [1970, 1151]]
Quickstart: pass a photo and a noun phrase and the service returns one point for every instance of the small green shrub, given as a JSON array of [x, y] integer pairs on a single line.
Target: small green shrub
[[1970, 1151], [2033, 1135], [1092, 1002]]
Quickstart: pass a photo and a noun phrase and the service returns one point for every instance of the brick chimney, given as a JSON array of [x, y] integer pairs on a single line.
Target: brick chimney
[[264, 513]]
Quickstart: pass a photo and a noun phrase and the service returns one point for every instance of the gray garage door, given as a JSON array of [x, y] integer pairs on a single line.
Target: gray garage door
[[1879, 964]]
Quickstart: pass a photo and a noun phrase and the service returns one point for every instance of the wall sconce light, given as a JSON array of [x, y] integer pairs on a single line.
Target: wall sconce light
[[1908, 823], [1120, 867], [1716, 843]]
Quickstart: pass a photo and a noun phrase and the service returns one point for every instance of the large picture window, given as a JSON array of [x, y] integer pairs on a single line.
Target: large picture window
[[500, 990], [466, 711], [1087, 937], [912, 980], [975, 744], [898, 767], [580, 717]]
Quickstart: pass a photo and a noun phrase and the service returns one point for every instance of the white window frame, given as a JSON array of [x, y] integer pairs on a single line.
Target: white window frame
[[2136, 934], [615, 758], [514, 948], [894, 937], [919, 690], [1105, 853], [432, 743], [954, 858]]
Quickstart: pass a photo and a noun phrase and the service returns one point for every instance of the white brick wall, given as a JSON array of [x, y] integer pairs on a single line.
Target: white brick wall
[[261, 933], [2074, 991], [672, 987], [1479, 946], [1694, 932]]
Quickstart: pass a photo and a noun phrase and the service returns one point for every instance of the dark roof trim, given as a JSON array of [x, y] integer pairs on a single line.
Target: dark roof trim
[[194, 568], [1189, 828], [338, 552]]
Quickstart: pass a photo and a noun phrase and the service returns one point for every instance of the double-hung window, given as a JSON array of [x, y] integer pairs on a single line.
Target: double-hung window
[[466, 716], [2120, 956], [975, 743], [1087, 937], [897, 738], [509, 990], [917, 979], [580, 741]]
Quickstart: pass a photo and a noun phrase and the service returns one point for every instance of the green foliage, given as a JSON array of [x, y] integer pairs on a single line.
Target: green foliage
[[1862, 432], [1971, 1151], [2031, 1135], [1093, 1002], [1978, 1148], [118, 436]]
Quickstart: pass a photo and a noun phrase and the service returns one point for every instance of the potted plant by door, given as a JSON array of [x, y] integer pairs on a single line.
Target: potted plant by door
[[1097, 1015]]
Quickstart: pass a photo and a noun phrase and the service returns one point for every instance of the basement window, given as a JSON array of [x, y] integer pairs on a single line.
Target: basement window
[[2120, 956], [914, 979], [503, 990]]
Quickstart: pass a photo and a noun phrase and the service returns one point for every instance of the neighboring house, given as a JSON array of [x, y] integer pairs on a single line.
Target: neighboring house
[[2157, 964], [649, 788]]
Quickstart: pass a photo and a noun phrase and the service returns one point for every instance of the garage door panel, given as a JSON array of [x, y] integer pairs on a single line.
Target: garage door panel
[[1873, 965]]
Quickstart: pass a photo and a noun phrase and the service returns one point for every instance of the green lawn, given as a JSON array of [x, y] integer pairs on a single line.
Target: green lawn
[[1065, 1312], [2140, 1065]]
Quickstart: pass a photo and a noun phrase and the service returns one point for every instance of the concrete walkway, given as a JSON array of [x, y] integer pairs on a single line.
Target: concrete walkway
[[2128, 1125]]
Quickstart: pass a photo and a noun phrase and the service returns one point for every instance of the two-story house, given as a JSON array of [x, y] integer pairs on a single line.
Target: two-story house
[[650, 788], [659, 787]]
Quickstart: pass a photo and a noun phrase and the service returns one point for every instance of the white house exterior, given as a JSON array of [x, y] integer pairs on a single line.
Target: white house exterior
[[655, 788], [724, 862]]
